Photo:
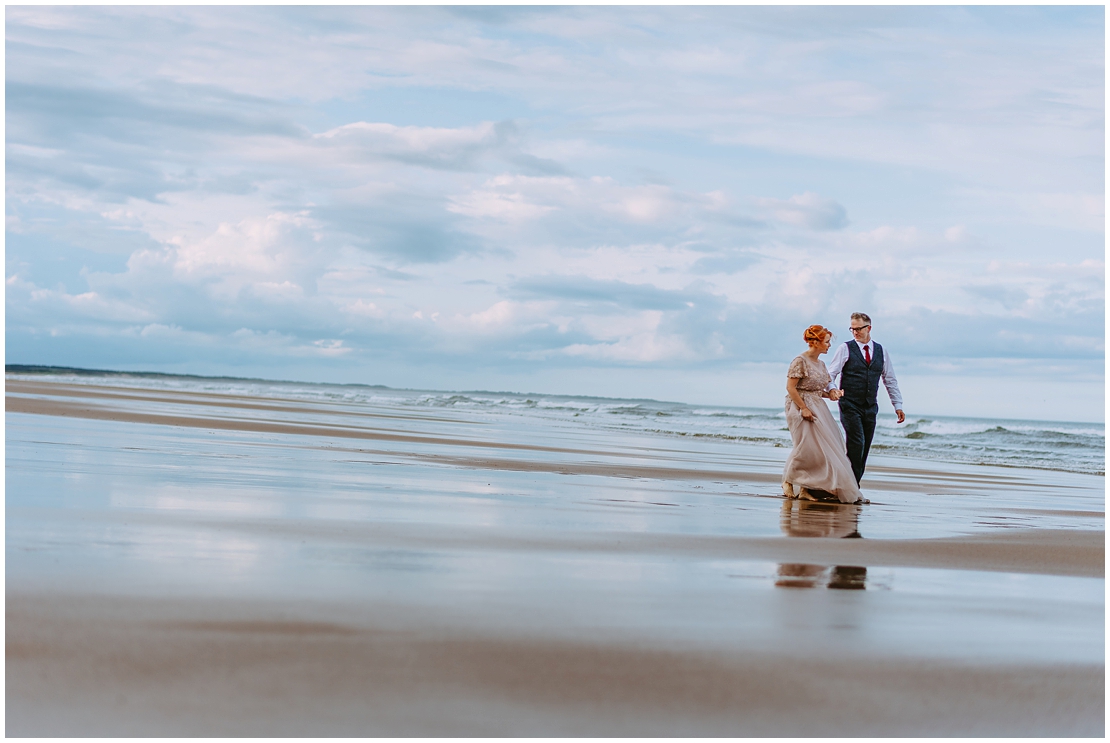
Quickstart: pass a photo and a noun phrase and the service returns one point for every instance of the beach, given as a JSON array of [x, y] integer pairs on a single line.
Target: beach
[[185, 560]]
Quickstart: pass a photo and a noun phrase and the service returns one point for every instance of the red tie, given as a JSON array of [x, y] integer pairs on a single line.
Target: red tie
[[867, 354]]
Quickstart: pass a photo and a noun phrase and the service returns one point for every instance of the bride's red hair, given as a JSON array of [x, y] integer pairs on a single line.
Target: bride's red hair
[[815, 334]]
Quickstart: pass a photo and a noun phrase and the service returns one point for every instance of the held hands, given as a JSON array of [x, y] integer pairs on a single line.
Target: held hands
[[835, 395]]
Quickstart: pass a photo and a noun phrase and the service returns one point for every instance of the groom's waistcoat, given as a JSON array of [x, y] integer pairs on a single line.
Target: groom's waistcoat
[[859, 381]]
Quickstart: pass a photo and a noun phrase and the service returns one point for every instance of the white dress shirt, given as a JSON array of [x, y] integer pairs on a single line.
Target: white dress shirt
[[836, 365]]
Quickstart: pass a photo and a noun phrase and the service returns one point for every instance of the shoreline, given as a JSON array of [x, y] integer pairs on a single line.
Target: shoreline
[[38, 399]]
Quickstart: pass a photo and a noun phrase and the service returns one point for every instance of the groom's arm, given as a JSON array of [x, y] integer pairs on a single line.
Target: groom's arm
[[836, 365], [890, 381]]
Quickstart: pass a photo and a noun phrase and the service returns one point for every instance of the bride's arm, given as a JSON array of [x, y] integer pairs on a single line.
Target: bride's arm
[[792, 390]]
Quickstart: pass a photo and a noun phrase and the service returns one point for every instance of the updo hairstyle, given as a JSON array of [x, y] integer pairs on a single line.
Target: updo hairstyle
[[816, 334]]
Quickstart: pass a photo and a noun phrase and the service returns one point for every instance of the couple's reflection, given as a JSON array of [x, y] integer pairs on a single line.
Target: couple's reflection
[[828, 520]]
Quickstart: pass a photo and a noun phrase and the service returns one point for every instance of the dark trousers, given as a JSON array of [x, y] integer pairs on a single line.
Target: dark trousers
[[859, 429]]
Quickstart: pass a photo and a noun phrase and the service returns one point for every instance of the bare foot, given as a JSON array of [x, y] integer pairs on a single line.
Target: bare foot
[[788, 490], [806, 495]]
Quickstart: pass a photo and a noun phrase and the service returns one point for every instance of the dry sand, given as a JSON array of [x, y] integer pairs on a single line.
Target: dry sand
[[99, 655]]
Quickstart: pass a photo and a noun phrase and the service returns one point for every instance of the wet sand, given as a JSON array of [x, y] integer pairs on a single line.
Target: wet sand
[[189, 563], [101, 666]]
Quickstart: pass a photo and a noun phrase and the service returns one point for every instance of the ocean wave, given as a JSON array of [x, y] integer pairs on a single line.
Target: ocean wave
[[1053, 445], [999, 457], [719, 436]]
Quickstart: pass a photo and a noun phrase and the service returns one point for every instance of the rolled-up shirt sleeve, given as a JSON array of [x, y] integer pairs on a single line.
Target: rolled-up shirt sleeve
[[890, 381]]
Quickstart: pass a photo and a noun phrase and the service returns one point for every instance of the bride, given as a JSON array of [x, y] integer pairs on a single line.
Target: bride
[[818, 462]]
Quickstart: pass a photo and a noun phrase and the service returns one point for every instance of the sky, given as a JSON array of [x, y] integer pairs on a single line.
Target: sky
[[615, 201]]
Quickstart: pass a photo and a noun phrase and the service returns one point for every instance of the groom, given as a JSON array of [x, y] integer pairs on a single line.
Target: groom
[[861, 363]]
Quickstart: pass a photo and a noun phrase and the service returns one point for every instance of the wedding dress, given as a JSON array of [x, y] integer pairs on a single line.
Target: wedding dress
[[819, 460]]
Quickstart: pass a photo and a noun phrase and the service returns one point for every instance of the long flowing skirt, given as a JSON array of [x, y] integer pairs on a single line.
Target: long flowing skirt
[[819, 460]]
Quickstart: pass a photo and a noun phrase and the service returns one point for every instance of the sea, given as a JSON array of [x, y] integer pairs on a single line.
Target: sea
[[1047, 445]]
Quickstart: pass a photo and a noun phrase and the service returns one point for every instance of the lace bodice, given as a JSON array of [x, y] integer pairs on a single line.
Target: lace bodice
[[812, 376]]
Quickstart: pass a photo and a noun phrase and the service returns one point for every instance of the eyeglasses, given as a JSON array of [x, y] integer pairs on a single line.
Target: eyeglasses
[[860, 329]]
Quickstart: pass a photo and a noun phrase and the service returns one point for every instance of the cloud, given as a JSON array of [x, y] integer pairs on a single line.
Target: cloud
[[599, 196], [587, 212], [938, 334], [48, 111], [507, 207], [1073, 210], [406, 229], [807, 210], [1009, 297], [728, 262], [644, 348], [459, 148], [581, 289]]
